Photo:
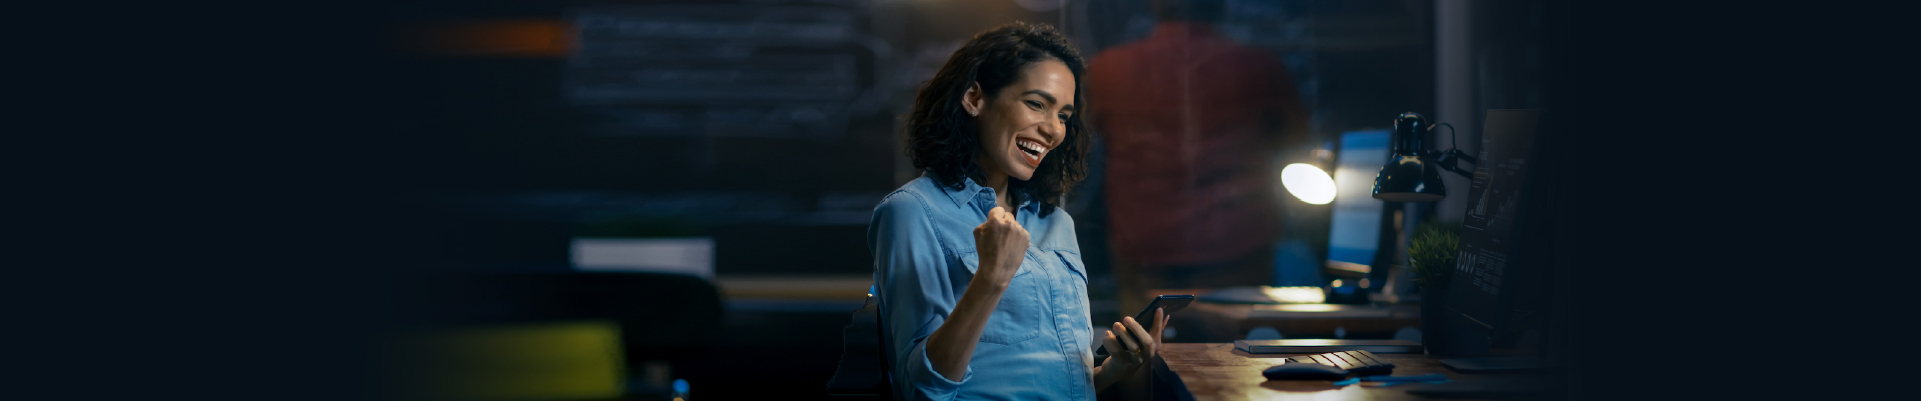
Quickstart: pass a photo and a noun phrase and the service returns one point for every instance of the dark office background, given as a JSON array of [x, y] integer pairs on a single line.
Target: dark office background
[[276, 218], [533, 150]]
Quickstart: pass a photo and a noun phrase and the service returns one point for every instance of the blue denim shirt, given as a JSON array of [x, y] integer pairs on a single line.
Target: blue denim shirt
[[1038, 343]]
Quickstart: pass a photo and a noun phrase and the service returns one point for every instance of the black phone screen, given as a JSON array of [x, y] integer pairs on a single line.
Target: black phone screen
[[1169, 303]]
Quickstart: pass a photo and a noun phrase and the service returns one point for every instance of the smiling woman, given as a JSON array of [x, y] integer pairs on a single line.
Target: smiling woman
[[966, 120], [981, 288]]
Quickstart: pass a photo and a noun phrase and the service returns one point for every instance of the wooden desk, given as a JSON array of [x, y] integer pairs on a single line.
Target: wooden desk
[[1216, 371], [1212, 322], [1228, 322]]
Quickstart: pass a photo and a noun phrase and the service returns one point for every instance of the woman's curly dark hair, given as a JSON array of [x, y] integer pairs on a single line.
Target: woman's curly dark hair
[[943, 139]]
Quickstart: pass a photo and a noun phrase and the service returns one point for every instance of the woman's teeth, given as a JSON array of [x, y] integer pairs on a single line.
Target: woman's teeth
[[1030, 147]]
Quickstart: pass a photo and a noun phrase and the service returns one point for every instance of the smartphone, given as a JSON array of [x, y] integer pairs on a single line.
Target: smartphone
[[1168, 303]]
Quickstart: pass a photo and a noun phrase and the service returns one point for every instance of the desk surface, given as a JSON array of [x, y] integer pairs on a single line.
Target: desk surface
[[1216, 371], [1212, 322]]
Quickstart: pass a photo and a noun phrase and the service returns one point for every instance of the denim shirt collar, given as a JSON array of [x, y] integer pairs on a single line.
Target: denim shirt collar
[[971, 190]]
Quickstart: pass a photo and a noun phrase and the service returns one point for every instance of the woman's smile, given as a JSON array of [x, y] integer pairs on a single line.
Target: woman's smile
[[1031, 151], [1026, 120]]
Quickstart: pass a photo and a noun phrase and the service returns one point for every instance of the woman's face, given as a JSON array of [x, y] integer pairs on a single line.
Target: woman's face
[[1026, 120]]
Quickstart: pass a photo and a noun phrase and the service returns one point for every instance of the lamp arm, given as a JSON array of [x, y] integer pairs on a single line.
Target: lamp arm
[[1457, 153], [1450, 161]]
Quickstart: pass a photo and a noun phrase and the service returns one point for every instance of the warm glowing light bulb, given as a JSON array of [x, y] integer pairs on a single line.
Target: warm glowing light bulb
[[1308, 183], [1337, 282]]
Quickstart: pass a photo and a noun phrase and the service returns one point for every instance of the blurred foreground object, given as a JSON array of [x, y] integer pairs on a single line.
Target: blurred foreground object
[[474, 328], [1192, 119], [529, 361]]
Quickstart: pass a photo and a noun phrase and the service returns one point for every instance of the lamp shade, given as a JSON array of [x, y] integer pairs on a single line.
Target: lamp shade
[[1410, 175], [1409, 179]]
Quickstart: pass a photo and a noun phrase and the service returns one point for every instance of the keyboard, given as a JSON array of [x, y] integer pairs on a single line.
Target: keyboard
[[1358, 362]]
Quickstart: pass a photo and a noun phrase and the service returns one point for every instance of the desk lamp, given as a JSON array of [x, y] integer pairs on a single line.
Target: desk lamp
[[1412, 173]]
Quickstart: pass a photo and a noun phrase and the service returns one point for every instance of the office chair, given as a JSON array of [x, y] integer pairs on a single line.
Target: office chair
[[863, 370]]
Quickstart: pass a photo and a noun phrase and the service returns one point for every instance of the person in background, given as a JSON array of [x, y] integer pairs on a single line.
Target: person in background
[[1191, 121], [981, 288]]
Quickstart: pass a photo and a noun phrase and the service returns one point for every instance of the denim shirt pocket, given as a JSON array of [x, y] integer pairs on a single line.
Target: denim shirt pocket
[[1073, 261], [1020, 315]]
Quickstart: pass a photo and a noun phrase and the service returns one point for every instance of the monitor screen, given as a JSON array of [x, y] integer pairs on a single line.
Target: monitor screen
[[1483, 281], [1355, 230]]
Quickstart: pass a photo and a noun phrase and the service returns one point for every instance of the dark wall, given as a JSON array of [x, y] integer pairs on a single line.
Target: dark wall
[[519, 153]]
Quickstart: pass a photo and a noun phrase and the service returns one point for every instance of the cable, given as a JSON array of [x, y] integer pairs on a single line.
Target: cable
[[1454, 152], [1451, 142]]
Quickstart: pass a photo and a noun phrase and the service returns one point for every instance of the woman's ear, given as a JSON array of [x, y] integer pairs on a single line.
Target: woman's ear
[[973, 100]]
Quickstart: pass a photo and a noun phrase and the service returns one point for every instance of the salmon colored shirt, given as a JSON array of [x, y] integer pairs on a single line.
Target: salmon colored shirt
[[1192, 120]]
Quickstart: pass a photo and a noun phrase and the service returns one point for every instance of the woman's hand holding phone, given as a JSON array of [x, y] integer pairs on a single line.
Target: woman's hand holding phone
[[1136, 346], [1001, 243]]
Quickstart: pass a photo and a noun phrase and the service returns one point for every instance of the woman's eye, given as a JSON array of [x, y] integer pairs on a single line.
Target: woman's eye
[[1064, 116], [1034, 104]]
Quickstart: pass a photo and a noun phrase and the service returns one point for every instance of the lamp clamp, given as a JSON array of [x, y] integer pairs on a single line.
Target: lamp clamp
[[1450, 159]]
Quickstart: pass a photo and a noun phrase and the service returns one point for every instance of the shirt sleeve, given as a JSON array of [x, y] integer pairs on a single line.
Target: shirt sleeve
[[916, 293]]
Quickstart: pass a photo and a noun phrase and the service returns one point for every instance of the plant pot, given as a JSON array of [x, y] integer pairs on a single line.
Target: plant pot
[[1433, 320]]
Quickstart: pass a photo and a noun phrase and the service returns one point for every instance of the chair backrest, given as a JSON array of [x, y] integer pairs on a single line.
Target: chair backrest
[[863, 366]]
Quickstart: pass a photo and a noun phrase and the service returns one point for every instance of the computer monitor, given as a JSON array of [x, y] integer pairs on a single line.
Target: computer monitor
[[1354, 232], [1500, 289]]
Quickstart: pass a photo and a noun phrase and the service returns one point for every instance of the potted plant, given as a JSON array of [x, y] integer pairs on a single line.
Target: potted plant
[[1430, 255]]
